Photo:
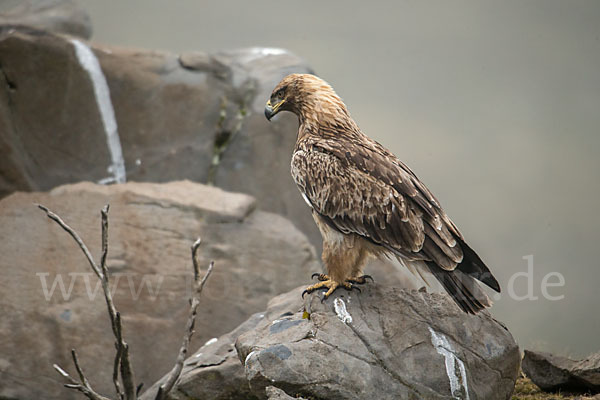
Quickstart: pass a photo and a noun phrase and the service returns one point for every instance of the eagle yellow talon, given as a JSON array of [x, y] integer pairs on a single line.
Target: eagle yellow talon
[[321, 277], [330, 285]]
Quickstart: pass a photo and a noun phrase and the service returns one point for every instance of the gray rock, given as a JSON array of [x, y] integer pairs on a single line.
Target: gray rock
[[60, 16], [192, 116], [215, 372], [554, 373], [383, 343], [274, 393], [152, 226]]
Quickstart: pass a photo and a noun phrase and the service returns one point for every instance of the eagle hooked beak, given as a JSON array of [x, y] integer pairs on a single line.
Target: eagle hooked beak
[[271, 110]]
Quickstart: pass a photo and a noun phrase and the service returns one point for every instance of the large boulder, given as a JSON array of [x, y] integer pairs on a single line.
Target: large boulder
[[51, 302], [382, 343], [554, 373], [73, 111], [59, 16]]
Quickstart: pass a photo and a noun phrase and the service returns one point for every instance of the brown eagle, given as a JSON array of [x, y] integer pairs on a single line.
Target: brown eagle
[[366, 202]]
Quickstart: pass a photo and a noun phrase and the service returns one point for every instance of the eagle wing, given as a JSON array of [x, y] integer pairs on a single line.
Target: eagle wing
[[359, 187]]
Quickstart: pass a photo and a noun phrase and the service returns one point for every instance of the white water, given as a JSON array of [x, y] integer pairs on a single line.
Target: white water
[[88, 61]]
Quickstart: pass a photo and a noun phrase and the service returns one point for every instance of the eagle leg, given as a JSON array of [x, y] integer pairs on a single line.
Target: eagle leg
[[321, 277], [361, 280]]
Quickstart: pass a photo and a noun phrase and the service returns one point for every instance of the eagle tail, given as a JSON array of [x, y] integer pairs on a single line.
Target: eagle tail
[[463, 289], [473, 266]]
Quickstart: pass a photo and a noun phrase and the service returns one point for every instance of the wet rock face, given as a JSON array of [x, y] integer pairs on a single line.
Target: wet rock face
[[67, 115], [554, 373], [51, 301], [383, 343]]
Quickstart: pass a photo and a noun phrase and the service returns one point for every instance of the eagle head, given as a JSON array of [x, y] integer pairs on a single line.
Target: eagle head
[[302, 94]]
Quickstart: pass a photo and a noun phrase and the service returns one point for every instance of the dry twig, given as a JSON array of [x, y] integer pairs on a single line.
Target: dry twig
[[175, 373], [122, 365], [83, 385]]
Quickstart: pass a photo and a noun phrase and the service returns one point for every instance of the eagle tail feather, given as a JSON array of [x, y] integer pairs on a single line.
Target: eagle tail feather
[[473, 266], [463, 289]]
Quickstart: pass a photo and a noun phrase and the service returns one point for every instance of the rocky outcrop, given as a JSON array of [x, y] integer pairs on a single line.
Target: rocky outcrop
[[554, 373], [274, 393], [383, 343], [59, 16], [73, 111], [51, 301]]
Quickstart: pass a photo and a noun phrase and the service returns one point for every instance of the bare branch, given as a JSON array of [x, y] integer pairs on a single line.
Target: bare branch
[[194, 260], [104, 214], [175, 373], [82, 377], [127, 374], [83, 386], [116, 366], [118, 356], [201, 286], [122, 363], [75, 236]]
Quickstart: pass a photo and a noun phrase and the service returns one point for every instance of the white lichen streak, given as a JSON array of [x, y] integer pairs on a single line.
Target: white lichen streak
[[340, 309], [248, 356], [458, 384], [210, 341], [270, 51], [89, 62]]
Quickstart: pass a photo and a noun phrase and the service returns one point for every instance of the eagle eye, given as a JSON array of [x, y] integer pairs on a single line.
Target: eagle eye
[[280, 93]]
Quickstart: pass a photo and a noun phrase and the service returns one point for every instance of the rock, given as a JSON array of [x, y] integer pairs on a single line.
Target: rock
[[60, 16], [554, 373], [274, 393], [214, 372], [162, 117], [51, 301], [383, 343]]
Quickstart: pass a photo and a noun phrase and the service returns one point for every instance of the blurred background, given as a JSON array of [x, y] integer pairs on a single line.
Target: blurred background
[[495, 106]]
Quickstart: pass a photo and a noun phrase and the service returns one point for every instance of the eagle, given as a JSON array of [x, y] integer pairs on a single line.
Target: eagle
[[367, 203]]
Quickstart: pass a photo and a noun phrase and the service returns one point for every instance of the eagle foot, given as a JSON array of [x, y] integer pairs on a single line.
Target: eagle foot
[[360, 280], [329, 285], [321, 277]]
